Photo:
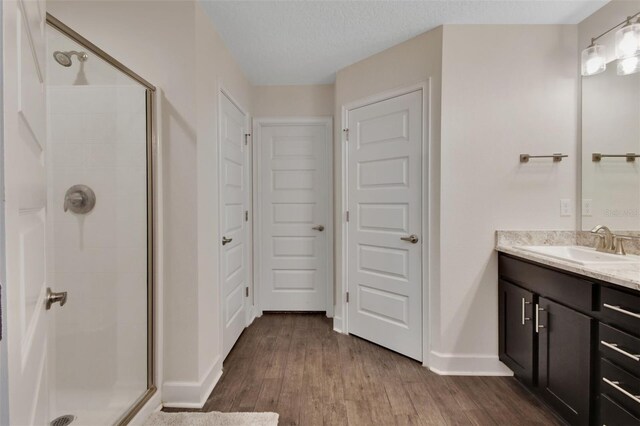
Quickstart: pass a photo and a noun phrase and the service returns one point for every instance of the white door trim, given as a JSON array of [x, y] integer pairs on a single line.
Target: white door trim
[[223, 91], [258, 123], [425, 86]]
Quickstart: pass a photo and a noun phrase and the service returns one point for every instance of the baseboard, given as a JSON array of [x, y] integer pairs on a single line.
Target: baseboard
[[467, 365], [252, 315], [192, 394], [337, 324]]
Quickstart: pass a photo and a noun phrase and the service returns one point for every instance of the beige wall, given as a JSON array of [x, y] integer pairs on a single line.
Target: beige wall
[[414, 61], [187, 65], [291, 101], [513, 90]]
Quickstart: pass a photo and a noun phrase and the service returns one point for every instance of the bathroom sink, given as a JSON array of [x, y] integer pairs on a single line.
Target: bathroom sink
[[580, 255]]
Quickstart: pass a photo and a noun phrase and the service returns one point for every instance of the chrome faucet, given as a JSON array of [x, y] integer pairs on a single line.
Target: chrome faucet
[[606, 240]]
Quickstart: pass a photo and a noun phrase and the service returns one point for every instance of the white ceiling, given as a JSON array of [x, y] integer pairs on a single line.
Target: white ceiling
[[306, 42]]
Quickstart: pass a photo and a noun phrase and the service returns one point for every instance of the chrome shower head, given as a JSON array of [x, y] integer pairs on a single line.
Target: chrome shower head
[[64, 58]]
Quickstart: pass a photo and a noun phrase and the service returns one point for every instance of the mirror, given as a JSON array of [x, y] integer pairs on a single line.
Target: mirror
[[611, 127]]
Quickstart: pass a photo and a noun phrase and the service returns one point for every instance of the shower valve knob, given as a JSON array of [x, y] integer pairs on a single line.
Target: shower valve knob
[[80, 199]]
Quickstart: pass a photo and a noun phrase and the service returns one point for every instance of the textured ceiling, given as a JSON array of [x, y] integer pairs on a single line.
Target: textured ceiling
[[306, 42]]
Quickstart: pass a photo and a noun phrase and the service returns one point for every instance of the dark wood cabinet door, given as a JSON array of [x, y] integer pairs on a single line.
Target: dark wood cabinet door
[[565, 355], [516, 330]]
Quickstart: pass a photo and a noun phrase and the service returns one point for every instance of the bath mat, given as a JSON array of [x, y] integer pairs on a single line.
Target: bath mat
[[214, 418]]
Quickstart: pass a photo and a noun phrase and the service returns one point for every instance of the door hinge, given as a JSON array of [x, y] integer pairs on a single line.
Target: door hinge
[[246, 215], [246, 137], [346, 135], [347, 215], [246, 291], [347, 297]]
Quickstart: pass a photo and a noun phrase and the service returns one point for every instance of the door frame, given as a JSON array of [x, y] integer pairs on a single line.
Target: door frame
[[223, 91], [258, 123], [343, 271], [4, 375]]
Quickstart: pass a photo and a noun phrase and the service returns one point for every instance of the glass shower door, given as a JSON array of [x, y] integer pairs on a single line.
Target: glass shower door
[[99, 244]]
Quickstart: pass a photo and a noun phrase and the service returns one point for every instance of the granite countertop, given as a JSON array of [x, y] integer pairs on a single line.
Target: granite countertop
[[624, 275]]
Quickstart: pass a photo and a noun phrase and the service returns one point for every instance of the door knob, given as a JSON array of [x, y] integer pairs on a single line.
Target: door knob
[[53, 297], [318, 228], [413, 238], [226, 240]]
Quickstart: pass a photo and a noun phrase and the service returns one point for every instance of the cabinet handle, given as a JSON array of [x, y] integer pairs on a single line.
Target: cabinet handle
[[538, 325], [524, 318], [615, 347], [622, 311], [616, 386]]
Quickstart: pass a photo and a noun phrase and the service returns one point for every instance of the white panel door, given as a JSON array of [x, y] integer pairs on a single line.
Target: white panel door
[[384, 198], [294, 200], [25, 210], [234, 191]]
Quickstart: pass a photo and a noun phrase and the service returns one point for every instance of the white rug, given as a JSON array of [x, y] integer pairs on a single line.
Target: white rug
[[215, 418]]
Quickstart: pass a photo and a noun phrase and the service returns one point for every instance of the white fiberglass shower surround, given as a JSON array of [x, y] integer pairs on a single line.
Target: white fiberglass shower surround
[[84, 291]]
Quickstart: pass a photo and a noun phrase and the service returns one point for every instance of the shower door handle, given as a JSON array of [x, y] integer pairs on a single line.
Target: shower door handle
[[55, 297]]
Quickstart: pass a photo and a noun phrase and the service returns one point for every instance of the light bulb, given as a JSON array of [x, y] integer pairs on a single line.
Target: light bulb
[[593, 60], [628, 41], [628, 66]]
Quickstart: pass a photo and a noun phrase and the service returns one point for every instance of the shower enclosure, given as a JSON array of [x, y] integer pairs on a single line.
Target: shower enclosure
[[100, 233]]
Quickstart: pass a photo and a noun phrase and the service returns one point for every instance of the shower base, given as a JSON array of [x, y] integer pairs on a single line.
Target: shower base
[[95, 407]]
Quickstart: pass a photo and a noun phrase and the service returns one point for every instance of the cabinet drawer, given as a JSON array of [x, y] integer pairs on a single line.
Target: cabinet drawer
[[620, 386], [611, 414], [621, 348], [621, 309], [566, 289]]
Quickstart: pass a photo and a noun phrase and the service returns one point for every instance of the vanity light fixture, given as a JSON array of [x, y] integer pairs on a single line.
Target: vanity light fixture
[[627, 48], [628, 66], [594, 60], [628, 40]]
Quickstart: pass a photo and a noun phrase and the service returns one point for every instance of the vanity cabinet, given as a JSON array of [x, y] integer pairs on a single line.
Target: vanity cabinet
[[516, 332], [573, 341], [564, 360]]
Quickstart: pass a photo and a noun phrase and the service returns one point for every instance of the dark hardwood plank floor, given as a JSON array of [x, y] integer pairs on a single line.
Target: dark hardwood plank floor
[[297, 366]]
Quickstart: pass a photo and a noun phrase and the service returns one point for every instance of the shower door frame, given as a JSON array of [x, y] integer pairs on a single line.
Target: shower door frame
[[150, 92]]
